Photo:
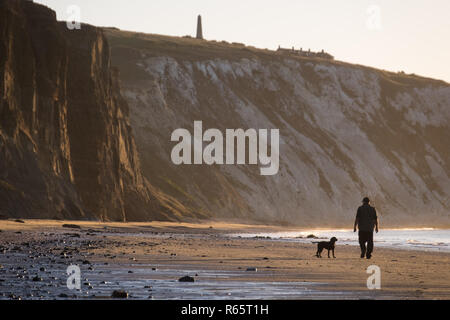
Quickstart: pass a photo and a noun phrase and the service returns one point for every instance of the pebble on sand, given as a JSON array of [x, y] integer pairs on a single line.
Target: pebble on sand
[[119, 294], [186, 279], [72, 226]]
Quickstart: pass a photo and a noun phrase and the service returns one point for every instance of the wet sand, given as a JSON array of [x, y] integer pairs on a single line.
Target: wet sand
[[147, 259]]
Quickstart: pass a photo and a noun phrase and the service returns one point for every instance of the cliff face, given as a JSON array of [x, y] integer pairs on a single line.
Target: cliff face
[[66, 145], [346, 131], [67, 135]]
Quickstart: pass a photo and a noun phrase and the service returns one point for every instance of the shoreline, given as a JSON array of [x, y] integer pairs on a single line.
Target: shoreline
[[421, 239], [147, 259]]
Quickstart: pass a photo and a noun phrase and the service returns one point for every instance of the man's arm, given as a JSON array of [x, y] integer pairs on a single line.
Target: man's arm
[[376, 219], [356, 221]]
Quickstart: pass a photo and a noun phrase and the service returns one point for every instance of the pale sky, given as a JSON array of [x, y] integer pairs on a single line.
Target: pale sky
[[413, 35]]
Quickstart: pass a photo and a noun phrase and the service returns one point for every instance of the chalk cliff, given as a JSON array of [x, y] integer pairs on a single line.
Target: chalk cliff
[[346, 131]]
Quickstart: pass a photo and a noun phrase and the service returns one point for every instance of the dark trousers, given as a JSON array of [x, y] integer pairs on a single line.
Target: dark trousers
[[366, 236]]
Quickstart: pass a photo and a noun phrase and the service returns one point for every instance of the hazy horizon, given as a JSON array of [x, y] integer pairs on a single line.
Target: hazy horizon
[[388, 35]]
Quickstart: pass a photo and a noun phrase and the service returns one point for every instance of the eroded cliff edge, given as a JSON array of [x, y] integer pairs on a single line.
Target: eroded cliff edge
[[66, 145]]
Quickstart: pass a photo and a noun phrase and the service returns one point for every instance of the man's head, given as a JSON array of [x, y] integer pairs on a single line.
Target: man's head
[[366, 200]]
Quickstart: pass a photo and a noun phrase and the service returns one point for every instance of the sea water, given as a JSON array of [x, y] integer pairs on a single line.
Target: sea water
[[427, 239]]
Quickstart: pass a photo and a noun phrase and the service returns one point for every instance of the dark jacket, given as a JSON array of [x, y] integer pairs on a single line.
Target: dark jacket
[[367, 217]]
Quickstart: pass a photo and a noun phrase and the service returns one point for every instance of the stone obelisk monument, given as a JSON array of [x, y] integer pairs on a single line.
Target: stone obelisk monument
[[199, 27]]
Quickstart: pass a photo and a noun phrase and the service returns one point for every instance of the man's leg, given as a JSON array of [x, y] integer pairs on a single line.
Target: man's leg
[[369, 244], [362, 243]]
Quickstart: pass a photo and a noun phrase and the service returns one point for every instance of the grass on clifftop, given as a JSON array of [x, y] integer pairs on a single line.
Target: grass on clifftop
[[188, 48]]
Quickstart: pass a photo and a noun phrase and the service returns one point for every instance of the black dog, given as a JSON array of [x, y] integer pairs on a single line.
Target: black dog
[[329, 245]]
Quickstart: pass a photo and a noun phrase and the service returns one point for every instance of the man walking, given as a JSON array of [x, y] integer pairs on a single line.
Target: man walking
[[366, 220]]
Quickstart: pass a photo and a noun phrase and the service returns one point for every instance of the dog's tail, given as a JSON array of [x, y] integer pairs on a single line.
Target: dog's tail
[[315, 242]]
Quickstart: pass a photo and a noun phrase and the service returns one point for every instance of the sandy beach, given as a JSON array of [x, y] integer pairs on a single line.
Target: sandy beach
[[147, 259]]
